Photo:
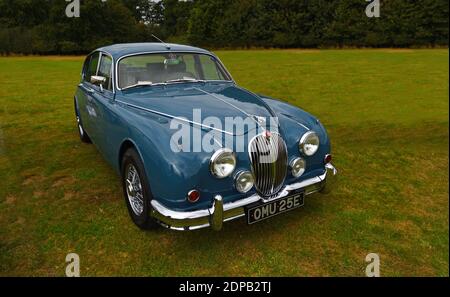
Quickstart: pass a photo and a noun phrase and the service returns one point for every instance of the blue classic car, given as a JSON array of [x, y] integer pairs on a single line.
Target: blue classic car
[[194, 149]]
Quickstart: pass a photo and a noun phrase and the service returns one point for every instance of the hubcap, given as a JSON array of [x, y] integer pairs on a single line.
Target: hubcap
[[134, 190]]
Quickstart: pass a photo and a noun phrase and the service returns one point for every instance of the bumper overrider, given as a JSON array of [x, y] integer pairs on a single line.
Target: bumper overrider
[[220, 212]]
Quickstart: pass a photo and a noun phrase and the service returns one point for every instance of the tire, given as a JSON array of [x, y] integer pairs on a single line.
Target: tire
[[84, 137], [139, 212]]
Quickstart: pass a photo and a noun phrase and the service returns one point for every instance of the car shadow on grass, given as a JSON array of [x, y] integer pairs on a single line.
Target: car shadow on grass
[[239, 229]]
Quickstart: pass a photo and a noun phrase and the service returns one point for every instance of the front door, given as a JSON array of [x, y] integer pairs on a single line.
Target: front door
[[100, 104]]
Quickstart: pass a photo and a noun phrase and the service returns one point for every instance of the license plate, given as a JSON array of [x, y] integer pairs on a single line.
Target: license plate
[[272, 208]]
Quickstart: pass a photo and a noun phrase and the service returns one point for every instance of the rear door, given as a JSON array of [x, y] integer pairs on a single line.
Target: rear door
[[85, 95]]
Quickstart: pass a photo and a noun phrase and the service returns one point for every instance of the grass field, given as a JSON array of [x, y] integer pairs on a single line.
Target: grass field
[[386, 112]]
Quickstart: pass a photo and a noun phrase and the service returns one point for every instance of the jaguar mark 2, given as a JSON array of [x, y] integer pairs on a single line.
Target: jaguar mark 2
[[132, 96]]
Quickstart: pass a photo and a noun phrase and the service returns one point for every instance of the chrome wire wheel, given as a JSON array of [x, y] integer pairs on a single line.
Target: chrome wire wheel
[[134, 190]]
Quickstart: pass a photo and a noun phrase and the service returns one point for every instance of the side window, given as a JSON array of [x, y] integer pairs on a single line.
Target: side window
[[85, 68], [210, 69], [91, 67], [105, 71]]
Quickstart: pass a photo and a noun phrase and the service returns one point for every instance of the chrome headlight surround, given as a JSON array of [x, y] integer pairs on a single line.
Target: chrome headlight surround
[[244, 181], [309, 143], [298, 167], [222, 163]]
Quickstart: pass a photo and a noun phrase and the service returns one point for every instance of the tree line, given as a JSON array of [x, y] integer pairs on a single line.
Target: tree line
[[42, 26]]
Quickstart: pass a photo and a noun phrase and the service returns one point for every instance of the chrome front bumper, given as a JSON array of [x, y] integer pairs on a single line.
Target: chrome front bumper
[[221, 212]]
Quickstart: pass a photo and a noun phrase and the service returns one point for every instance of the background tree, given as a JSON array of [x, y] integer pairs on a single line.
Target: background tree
[[41, 27]]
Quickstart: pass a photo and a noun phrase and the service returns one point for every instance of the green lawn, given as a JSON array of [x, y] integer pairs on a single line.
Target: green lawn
[[386, 112]]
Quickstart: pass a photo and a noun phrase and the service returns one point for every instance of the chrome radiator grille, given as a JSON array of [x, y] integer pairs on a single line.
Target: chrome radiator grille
[[268, 156]]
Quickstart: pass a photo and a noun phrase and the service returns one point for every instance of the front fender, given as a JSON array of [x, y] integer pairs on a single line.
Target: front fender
[[171, 173]]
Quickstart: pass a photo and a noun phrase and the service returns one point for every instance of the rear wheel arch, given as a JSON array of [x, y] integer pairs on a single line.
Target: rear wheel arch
[[75, 105], [84, 137]]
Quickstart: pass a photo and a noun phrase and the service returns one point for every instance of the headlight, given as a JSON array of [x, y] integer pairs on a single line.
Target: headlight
[[298, 166], [222, 163], [244, 181], [309, 143]]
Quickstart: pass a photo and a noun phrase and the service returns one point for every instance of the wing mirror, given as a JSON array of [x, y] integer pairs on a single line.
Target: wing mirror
[[98, 81]]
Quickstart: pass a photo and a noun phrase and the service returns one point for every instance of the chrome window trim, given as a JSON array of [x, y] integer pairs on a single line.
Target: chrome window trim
[[112, 68], [100, 52], [89, 56], [83, 70], [113, 90], [164, 52], [98, 62]]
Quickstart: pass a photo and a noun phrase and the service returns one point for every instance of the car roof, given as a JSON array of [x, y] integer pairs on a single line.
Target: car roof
[[125, 49]]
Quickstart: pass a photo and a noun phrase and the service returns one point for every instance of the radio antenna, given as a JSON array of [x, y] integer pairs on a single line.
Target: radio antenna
[[165, 44]]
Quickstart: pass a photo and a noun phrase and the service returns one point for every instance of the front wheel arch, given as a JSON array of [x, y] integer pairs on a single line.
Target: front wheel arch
[[127, 144], [143, 220]]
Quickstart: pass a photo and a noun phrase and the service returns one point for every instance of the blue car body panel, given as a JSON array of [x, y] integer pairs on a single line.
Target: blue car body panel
[[142, 117]]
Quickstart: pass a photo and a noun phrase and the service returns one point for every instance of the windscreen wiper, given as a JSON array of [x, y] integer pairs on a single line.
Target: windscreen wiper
[[144, 84], [181, 80]]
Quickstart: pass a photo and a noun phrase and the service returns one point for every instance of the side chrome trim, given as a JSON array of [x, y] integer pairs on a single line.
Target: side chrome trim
[[300, 124]]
